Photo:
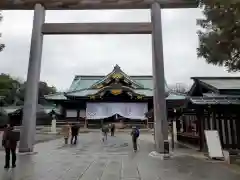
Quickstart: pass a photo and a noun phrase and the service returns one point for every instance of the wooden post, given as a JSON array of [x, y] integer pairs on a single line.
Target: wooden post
[[78, 115], [200, 128], [147, 124], [85, 123]]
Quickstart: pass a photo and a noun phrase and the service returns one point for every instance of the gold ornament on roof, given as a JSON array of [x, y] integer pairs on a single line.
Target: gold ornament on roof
[[92, 97], [116, 91], [139, 97], [99, 86], [117, 76]]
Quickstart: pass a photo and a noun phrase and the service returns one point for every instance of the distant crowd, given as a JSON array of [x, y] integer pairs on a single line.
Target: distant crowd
[[73, 130]]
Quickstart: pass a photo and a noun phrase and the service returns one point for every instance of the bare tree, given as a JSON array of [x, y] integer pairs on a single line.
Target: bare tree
[[1, 44], [179, 88]]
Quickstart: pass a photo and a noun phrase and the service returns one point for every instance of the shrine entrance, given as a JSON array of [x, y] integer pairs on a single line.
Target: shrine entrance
[[40, 28]]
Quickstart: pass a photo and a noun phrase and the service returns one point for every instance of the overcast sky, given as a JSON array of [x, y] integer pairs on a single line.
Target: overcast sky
[[67, 56]]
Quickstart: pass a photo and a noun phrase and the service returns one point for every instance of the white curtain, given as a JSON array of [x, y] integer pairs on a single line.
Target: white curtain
[[127, 110], [82, 113], [71, 113]]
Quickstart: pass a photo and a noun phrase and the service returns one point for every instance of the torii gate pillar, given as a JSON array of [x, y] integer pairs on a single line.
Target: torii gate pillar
[[31, 95], [159, 101]]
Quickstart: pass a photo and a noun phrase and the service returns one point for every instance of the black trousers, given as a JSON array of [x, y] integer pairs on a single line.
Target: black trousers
[[134, 141], [112, 132], [75, 139], [9, 151]]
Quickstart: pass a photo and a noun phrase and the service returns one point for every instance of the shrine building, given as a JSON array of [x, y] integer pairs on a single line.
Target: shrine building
[[93, 100]]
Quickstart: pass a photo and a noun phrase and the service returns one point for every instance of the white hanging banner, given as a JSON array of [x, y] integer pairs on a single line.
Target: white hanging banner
[[127, 110], [71, 113], [82, 113]]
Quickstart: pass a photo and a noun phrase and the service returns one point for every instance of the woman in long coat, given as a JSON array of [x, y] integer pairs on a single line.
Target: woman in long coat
[[66, 132]]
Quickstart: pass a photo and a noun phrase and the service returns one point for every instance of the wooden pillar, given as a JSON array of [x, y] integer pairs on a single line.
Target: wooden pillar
[[214, 118], [78, 114], [85, 123], [238, 130], [28, 129], [232, 130], [147, 123], [200, 124]]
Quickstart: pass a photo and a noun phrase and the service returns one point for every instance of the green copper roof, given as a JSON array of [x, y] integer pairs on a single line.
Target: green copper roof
[[40, 108], [56, 96], [145, 92], [85, 92], [88, 92], [84, 82], [146, 81], [82, 85], [221, 83], [172, 96]]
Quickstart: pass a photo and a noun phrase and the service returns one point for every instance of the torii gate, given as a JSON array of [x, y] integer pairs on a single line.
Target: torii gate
[[41, 28]]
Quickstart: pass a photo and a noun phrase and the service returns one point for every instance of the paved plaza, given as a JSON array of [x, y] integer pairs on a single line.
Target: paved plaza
[[91, 159]]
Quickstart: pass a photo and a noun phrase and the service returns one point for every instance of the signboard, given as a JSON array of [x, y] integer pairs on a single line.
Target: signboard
[[95, 4], [214, 144]]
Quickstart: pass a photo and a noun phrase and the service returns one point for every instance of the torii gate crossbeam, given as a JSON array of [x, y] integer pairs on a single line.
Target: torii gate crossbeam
[[95, 4], [40, 28]]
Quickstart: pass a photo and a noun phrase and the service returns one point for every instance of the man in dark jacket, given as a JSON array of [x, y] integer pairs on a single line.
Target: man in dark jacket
[[9, 142], [135, 135], [74, 129], [105, 130], [112, 129]]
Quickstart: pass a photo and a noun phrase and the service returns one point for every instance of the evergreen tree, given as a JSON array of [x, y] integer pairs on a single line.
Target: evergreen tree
[[219, 40]]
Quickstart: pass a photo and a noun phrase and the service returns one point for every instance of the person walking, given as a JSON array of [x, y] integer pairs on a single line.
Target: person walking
[[9, 142], [112, 129], [135, 134], [74, 130], [104, 133], [66, 132]]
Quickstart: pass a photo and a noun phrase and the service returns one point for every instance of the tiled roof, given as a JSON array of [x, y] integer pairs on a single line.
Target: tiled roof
[[85, 82], [87, 92], [220, 95], [11, 109], [221, 83], [84, 92], [40, 108], [176, 97], [56, 96], [81, 85], [215, 100]]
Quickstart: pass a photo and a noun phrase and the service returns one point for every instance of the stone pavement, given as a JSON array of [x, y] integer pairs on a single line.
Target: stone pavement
[[38, 138], [91, 159]]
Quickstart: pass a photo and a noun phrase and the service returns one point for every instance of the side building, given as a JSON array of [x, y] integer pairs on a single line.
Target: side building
[[213, 103]]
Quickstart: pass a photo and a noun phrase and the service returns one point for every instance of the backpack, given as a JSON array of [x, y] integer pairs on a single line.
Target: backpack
[[136, 133]]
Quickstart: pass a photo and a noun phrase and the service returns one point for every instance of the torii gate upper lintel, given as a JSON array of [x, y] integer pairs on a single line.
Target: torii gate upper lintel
[[40, 28], [94, 4]]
